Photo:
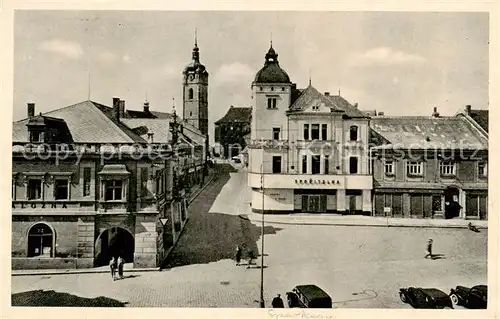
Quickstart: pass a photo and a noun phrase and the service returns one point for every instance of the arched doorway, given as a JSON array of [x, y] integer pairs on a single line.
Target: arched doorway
[[114, 242], [41, 239], [451, 202]]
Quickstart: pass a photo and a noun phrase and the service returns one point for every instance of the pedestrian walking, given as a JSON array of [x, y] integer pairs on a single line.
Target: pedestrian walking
[[278, 302], [121, 263], [238, 255], [429, 249], [251, 257], [112, 267]]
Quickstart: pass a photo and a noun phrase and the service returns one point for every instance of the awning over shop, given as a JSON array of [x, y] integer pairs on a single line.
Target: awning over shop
[[114, 170]]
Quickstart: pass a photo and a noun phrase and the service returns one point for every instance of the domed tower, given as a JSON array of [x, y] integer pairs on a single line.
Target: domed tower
[[195, 92], [272, 91]]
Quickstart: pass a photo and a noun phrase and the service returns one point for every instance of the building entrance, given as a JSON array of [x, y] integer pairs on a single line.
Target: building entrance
[[314, 203], [114, 242]]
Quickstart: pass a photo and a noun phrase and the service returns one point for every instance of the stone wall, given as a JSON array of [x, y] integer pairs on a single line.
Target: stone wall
[[145, 255]]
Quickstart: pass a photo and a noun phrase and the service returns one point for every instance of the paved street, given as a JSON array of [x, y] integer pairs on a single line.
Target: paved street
[[360, 267]]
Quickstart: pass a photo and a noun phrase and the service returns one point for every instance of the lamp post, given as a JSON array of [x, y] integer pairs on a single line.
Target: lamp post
[[262, 303]]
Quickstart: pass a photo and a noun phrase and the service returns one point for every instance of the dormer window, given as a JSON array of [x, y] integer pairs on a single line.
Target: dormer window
[[36, 136]]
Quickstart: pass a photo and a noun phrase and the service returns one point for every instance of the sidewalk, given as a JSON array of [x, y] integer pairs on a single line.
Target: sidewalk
[[129, 267], [355, 220]]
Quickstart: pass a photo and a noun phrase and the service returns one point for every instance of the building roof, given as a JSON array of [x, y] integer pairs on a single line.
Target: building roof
[[427, 133], [236, 114], [271, 72], [334, 102], [481, 118], [88, 122]]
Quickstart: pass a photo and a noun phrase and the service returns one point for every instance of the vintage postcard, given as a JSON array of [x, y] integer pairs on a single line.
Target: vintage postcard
[[169, 159]]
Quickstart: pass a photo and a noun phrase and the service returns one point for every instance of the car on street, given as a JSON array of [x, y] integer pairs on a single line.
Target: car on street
[[308, 296], [472, 298], [425, 298]]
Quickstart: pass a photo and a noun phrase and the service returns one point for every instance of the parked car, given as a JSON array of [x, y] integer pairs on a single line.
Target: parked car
[[473, 298], [308, 296], [425, 298]]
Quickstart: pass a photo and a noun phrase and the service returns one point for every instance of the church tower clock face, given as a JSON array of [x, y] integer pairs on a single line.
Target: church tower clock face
[[195, 93]]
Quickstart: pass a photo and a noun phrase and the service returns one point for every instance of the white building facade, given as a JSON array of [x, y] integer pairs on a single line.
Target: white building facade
[[308, 151]]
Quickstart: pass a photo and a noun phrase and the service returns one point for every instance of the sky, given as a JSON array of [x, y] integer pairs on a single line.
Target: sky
[[401, 63]]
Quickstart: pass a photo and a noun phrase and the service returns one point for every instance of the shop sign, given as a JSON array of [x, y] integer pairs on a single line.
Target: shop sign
[[39, 205], [312, 181]]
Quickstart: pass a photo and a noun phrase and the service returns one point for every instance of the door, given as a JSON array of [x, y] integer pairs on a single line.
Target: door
[[483, 207], [471, 205], [397, 205], [416, 205], [436, 204], [352, 204]]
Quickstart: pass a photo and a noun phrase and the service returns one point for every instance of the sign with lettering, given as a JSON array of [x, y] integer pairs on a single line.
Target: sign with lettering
[[38, 205], [317, 181]]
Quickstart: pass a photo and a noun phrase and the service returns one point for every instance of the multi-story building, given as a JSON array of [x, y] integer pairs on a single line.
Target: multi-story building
[[308, 150], [231, 129], [429, 167]]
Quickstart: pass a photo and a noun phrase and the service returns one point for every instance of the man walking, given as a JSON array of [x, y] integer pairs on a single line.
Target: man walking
[[429, 249], [121, 263], [112, 267], [238, 255]]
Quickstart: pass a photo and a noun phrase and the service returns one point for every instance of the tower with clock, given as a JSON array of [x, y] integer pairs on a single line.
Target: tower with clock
[[195, 92]]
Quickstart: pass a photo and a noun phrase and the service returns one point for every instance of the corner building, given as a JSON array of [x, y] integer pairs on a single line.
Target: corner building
[[308, 151]]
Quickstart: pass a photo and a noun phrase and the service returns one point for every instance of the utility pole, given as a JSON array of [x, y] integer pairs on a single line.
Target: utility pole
[[262, 303]]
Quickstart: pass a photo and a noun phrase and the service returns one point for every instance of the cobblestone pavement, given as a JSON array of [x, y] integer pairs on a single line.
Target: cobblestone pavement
[[360, 267]]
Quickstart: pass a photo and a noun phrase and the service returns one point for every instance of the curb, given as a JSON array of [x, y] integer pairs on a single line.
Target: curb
[[359, 225], [98, 271]]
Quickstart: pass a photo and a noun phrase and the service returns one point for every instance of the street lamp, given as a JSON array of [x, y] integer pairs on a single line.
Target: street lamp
[[262, 303]]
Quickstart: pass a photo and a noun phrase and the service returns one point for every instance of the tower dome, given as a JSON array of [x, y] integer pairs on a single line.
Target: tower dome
[[195, 66], [271, 72]]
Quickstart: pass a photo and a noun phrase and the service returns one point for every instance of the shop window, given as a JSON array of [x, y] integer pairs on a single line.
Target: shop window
[[315, 131], [86, 181], [447, 168], [324, 132], [271, 103], [353, 133], [306, 132], [315, 164], [113, 189], [61, 189], [304, 164], [327, 164], [482, 169], [276, 164], [353, 165], [414, 168], [389, 168], [34, 189], [276, 133], [40, 241]]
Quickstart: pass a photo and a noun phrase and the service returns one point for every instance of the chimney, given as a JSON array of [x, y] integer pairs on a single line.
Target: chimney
[[150, 137], [116, 109], [435, 113], [31, 109], [327, 93], [146, 106], [122, 108], [356, 105], [380, 114], [468, 109]]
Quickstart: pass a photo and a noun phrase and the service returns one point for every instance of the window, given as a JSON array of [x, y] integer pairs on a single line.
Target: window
[[323, 132], [447, 168], [283, 89], [271, 103], [36, 136], [144, 182], [327, 164], [306, 132], [272, 88], [40, 241], [190, 94], [86, 181], [113, 190], [482, 169], [315, 164], [34, 189], [315, 131], [276, 164], [261, 88], [353, 165], [61, 189], [389, 168], [304, 164], [353, 133], [414, 168], [276, 133], [190, 113]]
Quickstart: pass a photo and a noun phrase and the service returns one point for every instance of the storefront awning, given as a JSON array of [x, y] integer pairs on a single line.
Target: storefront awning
[[114, 169]]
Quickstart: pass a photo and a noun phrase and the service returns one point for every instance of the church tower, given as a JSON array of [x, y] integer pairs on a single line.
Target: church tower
[[195, 92]]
